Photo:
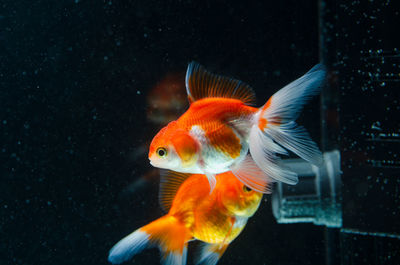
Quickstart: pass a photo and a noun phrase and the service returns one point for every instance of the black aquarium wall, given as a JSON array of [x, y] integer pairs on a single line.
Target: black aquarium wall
[[358, 41], [85, 85]]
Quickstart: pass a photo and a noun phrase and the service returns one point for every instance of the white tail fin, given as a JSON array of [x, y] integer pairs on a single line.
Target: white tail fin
[[166, 232], [209, 254], [129, 246], [276, 127]]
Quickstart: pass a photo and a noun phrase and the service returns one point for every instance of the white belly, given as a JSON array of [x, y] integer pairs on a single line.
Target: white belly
[[212, 160]]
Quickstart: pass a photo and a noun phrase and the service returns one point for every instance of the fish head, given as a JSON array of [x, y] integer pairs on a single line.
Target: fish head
[[175, 149], [237, 198]]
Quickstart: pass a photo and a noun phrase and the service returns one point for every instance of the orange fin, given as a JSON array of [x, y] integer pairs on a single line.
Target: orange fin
[[169, 184], [202, 84], [170, 235], [209, 254]]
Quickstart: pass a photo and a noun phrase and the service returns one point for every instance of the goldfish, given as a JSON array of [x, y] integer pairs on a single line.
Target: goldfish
[[215, 219], [222, 131]]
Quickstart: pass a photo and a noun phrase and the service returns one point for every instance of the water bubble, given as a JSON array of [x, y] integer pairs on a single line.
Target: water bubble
[[376, 126]]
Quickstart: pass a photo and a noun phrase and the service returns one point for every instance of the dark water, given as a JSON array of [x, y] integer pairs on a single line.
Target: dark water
[[76, 77]]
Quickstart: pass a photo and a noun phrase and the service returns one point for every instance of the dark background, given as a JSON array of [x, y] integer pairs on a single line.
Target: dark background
[[74, 76]]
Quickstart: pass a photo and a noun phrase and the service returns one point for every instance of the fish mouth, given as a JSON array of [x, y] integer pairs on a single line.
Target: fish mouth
[[154, 163]]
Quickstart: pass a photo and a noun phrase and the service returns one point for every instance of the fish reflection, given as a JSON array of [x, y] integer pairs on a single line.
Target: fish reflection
[[167, 99]]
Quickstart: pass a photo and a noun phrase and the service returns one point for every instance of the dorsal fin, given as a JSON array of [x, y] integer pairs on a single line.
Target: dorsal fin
[[170, 181], [202, 84]]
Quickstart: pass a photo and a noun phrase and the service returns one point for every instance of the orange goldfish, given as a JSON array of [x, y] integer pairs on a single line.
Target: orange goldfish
[[220, 127], [215, 218]]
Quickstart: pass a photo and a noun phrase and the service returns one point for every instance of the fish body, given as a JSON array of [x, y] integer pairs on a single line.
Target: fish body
[[215, 218], [218, 145], [220, 127]]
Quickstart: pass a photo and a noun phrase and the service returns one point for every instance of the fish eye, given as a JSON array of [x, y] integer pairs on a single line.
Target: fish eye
[[161, 151], [246, 189]]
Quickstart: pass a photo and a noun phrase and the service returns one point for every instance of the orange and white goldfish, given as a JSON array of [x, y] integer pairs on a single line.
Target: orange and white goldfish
[[220, 127], [215, 218]]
